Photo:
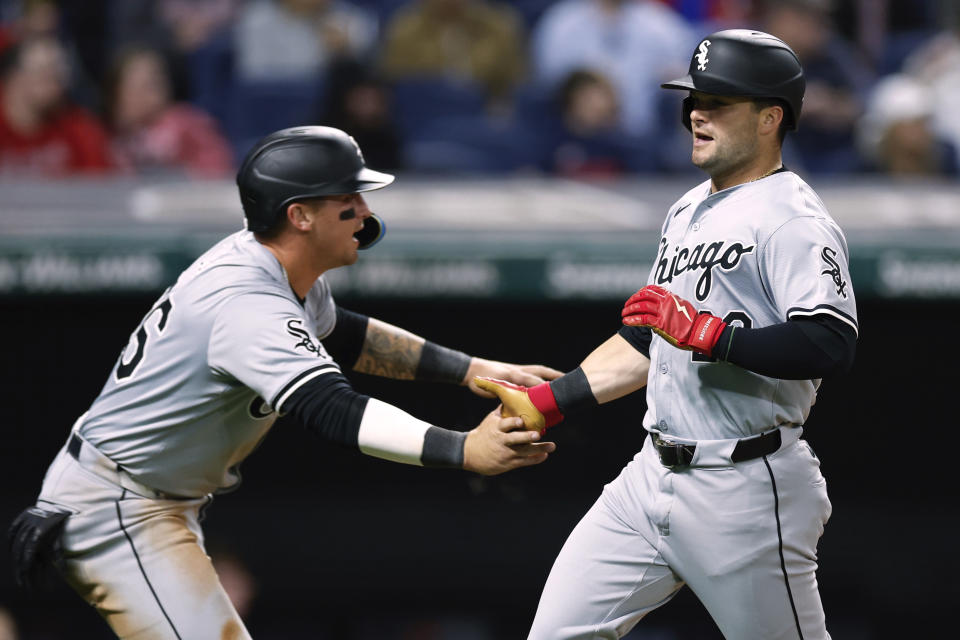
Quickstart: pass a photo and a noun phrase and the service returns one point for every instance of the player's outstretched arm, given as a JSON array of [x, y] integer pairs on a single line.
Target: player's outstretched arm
[[329, 407], [612, 370], [389, 351]]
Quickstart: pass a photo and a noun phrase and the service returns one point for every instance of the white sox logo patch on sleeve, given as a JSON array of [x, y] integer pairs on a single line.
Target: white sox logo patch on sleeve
[[829, 256], [701, 56], [304, 341]]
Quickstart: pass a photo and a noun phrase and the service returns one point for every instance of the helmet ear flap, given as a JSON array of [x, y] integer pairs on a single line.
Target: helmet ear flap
[[372, 232], [685, 111]]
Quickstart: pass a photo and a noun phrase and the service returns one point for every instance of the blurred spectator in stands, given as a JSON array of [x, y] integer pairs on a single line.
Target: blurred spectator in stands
[[196, 37], [32, 18], [895, 134], [474, 41], [8, 626], [590, 142], [713, 15], [937, 64], [180, 26], [358, 101], [637, 44], [153, 133], [42, 131], [45, 18], [837, 81], [293, 39]]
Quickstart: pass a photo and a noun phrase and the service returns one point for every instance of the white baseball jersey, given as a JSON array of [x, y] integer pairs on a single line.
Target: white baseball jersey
[[198, 385], [742, 535], [755, 254]]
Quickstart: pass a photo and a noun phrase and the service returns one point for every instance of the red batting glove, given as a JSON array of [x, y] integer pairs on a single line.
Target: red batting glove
[[674, 319]]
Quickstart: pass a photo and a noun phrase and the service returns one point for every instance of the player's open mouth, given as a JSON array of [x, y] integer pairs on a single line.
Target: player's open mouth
[[701, 139]]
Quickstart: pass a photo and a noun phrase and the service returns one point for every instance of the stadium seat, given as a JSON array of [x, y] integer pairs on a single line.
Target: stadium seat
[[258, 108], [899, 46], [210, 72], [419, 101], [474, 144]]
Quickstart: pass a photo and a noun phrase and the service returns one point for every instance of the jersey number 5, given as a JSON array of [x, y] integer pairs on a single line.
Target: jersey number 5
[[125, 368]]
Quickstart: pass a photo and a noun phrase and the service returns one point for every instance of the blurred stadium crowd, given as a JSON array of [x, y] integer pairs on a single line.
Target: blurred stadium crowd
[[566, 87]]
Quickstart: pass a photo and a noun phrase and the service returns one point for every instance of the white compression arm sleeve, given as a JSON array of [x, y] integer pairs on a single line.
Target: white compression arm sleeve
[[393, 434]]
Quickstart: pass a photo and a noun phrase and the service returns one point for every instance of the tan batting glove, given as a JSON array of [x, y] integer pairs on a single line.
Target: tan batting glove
[[535, 405]]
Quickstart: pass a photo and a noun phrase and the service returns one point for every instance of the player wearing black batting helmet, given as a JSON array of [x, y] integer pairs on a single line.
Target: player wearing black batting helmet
[[300, 163], [248, 332], [742, 62], [747, 308]]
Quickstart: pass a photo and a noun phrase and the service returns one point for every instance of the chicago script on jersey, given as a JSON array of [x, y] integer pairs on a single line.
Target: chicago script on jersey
[[703, 256]]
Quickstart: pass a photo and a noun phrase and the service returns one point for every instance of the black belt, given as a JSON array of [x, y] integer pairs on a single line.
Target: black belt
[[675, 454]]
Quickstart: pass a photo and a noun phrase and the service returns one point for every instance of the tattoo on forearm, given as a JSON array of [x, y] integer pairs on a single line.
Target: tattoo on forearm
[[389, 352]]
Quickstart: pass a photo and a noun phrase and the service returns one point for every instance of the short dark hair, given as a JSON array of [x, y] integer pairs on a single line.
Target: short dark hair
[[576, 80], [762, 103]]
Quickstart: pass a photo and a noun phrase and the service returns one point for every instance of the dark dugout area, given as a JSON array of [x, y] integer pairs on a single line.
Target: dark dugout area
[[344, 546]]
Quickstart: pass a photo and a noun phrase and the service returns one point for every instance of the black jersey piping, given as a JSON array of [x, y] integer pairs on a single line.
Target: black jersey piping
[[296, 381], [143, 572], [783, 563], [826, 309]]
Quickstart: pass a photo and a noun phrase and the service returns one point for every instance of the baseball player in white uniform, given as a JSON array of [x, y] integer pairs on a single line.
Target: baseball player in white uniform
[[751, 305], [248, 332]]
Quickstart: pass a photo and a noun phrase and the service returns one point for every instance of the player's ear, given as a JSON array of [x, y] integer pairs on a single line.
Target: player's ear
[[299, 215], [770, 119]]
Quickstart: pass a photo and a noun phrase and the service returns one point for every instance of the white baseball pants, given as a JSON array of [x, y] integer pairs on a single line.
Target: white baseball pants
[[743, 536], [139, 561]]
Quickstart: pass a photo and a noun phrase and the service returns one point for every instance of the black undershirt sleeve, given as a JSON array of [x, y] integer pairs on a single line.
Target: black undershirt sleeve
[[638, 337], [803, 349], [345, 342], [328, 407]]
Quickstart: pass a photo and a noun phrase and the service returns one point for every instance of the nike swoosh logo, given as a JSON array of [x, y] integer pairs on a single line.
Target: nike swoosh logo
[[677, 212], [682, 309]]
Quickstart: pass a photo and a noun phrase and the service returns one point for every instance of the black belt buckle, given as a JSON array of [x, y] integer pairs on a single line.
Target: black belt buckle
[[673, 455]]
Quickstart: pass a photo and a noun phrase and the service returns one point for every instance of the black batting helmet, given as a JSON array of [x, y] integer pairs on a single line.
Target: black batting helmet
[[305, 162], [743, 62]]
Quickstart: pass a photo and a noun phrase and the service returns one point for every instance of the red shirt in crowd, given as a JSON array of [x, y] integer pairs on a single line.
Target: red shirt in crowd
[[72, 141], [183, 138]]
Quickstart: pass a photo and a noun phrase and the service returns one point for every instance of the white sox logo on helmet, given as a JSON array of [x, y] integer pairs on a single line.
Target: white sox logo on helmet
[[701, 56]]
